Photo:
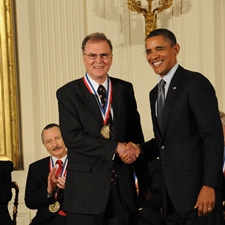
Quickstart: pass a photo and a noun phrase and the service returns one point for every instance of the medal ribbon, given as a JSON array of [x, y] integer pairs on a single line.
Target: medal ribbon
[[51, 166], [106, 110], [63, 172]]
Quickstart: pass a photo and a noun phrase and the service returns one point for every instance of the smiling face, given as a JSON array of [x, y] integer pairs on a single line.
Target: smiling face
[[160, 54], [97, 68], [53, 142]]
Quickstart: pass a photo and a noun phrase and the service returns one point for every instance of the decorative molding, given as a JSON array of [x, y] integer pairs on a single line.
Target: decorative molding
[[57, 52]]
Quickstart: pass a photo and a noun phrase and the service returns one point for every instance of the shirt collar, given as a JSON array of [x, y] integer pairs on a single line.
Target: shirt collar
[[168, 77], [55, 159], [95, 84]]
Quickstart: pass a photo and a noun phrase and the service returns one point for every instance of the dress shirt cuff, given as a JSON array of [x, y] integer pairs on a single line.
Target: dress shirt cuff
[[49, 195], [142, 152]]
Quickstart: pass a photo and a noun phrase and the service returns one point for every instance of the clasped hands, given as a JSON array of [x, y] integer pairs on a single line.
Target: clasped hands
[[55, 181], [128, 152]]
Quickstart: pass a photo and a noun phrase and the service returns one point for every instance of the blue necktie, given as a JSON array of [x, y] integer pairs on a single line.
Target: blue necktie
[[102, 94]]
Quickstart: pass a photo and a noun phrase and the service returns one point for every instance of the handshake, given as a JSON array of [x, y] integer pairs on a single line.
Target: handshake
[[128, 152]]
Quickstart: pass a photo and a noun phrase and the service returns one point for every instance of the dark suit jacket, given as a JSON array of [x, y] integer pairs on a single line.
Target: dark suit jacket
[[191, 143], [6, 167], [36, 191], [89, 154], [223, 191]]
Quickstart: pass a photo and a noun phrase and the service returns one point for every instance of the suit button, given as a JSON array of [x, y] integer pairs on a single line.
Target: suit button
[[109, 170], [162, 147]]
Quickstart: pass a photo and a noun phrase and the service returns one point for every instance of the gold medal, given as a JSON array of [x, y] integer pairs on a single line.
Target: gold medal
[[54, 207], [105, 132]]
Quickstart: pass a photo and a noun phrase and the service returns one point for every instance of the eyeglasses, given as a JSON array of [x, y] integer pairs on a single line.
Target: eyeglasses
[[94, 56]]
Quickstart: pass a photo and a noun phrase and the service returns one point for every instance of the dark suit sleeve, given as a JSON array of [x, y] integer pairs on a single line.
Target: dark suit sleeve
[[6, 167], [36, 188], [134, 129], [150, 149], [149, 152], [80, 129], [203, 103]]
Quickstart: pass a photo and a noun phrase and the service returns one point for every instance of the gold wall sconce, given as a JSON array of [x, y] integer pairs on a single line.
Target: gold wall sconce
[[149, 14]]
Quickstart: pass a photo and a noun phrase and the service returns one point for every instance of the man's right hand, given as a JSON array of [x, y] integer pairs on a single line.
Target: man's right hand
[[128, 152], [52, 181]]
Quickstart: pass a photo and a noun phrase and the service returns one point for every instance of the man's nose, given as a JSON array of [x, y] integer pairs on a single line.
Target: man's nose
[[98, 58], [154, 55]]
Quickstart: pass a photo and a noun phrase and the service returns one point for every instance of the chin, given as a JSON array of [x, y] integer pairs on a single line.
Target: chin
[[158, 72]]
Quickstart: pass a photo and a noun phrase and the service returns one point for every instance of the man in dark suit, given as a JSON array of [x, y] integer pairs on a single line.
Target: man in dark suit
[[6, 168], [46, 180], [100, 187], [190, 137]]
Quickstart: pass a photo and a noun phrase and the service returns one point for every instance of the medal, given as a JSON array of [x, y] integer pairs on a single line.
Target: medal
[[54, 207], [105, 132]]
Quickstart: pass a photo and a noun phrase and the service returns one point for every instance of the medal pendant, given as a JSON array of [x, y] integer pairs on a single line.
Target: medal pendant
[[54, 207], [105, 132]]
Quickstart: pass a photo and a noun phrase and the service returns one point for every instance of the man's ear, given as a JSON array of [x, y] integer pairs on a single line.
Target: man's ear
[[176, 49]]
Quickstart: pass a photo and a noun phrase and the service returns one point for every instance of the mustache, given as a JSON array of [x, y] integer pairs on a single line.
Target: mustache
[[57, 147]]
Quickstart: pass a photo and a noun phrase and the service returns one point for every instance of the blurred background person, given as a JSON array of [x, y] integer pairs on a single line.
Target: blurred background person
[[222, 117], [151, 213], [6, 167]]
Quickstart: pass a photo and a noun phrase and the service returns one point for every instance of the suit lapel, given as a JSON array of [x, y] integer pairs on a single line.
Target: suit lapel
[[153, 98], [116, 105], [89, 101], [171, 94], [45, 167]]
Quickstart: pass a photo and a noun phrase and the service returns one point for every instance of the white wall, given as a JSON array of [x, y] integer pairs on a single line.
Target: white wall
[[49, 40]]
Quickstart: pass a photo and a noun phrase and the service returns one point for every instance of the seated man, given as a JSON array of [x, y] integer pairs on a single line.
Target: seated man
[[6, 167], [46, 180]]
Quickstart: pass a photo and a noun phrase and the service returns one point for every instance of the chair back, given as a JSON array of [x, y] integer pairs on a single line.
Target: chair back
[[15, 203]]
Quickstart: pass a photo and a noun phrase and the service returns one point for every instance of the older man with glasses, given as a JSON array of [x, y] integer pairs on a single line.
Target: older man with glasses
[[98, 115]]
